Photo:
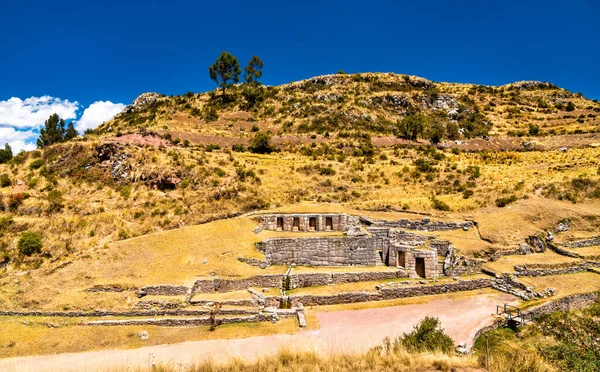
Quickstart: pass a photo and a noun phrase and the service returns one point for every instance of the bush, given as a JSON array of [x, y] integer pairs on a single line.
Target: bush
[[55, 201], [36, 164], [503, 202], [4, 180], [534, 130], [436, 132], [238, 147], [439, 205], [29, 243], [428, 336], [261, 144], [327, 171], [570, 106]]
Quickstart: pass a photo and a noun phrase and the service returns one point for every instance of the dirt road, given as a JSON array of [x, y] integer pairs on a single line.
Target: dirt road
[[340, 331]]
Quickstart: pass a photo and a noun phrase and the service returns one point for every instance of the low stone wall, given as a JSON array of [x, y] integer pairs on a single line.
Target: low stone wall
[[245, 303], [391, 293], [176, 322], [563, 252], [573, 302], [131, 313], [320, 279], [556, 269], [229, 285], [425, 224], [111, 288], [583, 243], [164, 290], [340, 278]]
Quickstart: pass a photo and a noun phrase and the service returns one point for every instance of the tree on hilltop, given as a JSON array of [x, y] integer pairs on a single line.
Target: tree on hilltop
[[225, 71], [71, 132], [6, 154], [253, 70], [53, 131]]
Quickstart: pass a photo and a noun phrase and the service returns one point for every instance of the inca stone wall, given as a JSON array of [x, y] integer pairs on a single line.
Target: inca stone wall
[[554, 269], [307, 222], [425, 224], [583, 243], [324, 251], [390, 293]]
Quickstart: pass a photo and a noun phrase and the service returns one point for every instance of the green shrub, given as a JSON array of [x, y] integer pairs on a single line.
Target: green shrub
[[238, 147], [55, 201], [428, 336], [29, 243], [534, 130], [570, 106], [503, 202], [261, 144], [327, 171], [123, 234], [4, 180], [439, 204], [36, 164], [125, 191], [211, 147]]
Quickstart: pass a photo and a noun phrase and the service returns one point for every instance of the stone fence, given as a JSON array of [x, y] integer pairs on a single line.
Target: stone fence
[[131, 313], [583, 243], [424, 225], [390, 293], [554, 269]]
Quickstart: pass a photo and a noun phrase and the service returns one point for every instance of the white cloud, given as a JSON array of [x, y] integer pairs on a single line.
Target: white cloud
[[96, 114], [20, 119], [18, 139], [32, 112]]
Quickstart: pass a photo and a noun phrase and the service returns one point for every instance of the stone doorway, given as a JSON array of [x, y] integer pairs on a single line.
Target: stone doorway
[[401, 259], [312, 223], [420, 266], [279, 223], [296, 224], [329, 223]]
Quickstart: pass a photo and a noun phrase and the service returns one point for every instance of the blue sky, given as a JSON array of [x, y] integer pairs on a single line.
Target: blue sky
[[71, 56]]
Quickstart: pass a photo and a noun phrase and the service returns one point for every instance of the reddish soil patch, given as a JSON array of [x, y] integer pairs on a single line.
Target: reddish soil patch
[[206, 139], [19, 188], [139, 139]]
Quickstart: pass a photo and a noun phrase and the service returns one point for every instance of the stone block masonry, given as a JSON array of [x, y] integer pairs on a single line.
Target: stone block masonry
[[308, 222], [424, 225], [324, 251], [391, 293]]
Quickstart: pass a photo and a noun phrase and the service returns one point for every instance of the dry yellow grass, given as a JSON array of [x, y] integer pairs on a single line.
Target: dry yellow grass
[[566, 285], [507, 263], [587, 251], [22, 336]]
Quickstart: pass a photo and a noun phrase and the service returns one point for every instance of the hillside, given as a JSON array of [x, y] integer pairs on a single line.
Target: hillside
[[162, 164], [149, 220], [359, 105]]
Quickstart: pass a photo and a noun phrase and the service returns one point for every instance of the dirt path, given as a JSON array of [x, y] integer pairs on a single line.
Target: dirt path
[[340, 331]]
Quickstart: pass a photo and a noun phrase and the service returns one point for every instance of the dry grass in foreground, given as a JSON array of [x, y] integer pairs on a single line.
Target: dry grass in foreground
[[374, 360]]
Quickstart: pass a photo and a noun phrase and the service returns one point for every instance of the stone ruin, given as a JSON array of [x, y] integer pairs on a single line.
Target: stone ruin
[[307, 222], [364, 243]]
